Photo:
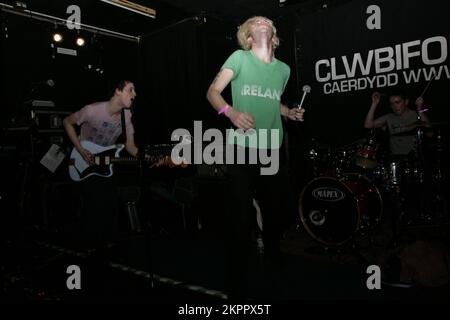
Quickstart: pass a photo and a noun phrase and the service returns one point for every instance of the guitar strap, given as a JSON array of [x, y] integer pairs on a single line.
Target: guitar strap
[[124, 127]]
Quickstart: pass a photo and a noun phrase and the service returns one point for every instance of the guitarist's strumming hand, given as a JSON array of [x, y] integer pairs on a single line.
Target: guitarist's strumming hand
[[87, 156]]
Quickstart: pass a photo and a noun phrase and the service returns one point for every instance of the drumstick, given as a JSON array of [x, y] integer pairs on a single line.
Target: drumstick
[[429, 82]]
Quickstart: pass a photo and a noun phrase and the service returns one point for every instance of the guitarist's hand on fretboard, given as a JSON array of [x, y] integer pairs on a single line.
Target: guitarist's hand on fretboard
[[167, 162], [158, 163]]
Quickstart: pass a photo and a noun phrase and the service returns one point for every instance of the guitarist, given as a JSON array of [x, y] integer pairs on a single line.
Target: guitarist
[[101, 123]]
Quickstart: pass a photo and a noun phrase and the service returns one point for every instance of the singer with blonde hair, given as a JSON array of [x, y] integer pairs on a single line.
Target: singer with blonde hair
[[258, 80]]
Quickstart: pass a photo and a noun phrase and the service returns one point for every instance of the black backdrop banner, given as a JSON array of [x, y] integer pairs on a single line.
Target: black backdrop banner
[[347, 52]]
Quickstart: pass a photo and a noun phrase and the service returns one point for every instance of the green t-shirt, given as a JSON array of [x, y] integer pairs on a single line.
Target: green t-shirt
[[256, 89]]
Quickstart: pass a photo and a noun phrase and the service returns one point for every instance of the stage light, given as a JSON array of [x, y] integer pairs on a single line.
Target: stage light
[[57, 37], [80, 41]]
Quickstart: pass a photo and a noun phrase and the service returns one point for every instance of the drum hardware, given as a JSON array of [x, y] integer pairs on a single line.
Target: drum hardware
[[394, 177], [438, 180], [415, 188], [313, 155], [343, 161], [437, 170], [419, 167], [432, 199], [320, 158]]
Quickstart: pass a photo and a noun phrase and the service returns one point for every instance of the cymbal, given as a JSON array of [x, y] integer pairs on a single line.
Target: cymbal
[[414, 131], [439, 124], [420, 123]]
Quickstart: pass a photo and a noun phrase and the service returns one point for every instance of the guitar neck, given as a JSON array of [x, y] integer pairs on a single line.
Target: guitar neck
[[124, 160]]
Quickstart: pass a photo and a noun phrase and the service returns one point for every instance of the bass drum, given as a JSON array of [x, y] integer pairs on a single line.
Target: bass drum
[[333, 210]]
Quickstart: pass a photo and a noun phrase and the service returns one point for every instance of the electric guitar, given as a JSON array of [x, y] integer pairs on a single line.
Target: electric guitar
[[105, 157]]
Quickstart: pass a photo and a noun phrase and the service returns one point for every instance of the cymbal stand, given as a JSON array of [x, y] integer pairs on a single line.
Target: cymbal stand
[[419, 145], [439, 199], [396, 218], [422, 215], [313, 155]]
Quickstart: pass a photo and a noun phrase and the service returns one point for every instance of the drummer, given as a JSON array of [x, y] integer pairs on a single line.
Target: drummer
[[402, 123]]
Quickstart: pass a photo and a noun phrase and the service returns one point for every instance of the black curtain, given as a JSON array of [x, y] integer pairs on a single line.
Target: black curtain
[[178, 65], [170, 82]]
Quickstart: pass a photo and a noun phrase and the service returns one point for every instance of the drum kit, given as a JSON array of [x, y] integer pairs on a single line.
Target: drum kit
[[344, 199]]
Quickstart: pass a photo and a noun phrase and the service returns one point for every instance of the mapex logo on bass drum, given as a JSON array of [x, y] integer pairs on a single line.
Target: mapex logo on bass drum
[[328, 194]]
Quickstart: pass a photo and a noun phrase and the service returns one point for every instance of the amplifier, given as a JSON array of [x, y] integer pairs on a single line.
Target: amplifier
[[40, 103], [48, 121]]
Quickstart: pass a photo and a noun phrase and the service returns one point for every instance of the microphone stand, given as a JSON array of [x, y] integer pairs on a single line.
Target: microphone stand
[[148, 236]]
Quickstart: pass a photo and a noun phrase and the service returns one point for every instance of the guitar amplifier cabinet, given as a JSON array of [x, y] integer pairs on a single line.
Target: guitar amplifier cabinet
[[48, 121]]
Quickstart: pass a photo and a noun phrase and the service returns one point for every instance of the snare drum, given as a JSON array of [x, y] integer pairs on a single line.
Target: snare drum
[[366, 157]]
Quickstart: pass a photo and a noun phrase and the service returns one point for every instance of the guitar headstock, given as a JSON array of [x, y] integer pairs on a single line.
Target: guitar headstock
[[166, 161]]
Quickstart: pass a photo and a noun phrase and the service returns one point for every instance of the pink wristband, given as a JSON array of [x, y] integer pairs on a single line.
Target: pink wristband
[[223, 109]]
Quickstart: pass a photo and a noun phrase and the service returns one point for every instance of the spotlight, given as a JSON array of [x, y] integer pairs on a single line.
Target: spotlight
[[80, 42], [20, 5], [57, 37]]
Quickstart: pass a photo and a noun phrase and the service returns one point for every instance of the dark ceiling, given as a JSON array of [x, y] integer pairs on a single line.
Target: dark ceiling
[[100, 14], [238, 10], [106, 16]]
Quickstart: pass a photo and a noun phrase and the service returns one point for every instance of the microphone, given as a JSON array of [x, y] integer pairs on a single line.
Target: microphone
[[306, 89]]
